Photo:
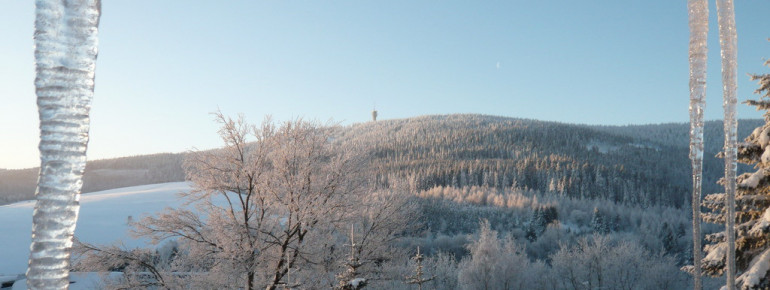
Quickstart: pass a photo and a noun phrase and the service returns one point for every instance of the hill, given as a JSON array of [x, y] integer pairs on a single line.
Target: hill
[[630, 164], [17, 185], [639, 164]]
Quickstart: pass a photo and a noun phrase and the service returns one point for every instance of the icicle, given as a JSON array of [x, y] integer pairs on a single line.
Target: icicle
[[728, 41], [698, 21], [65, 56]]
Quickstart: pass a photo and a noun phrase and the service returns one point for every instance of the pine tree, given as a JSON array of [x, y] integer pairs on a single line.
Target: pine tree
[[752, 202], [350, 279], [419, 276], [598, 223], [537, 224], [668, 239]]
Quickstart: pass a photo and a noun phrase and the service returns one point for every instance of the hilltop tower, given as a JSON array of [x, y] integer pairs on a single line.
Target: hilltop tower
[[374, 114]]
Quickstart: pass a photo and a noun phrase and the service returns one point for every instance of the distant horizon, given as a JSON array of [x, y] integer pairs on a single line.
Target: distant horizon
[[384, 120]]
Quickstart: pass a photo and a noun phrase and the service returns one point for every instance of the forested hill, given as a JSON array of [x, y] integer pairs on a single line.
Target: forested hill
[[646, 164], [678, 135], [631, 164]]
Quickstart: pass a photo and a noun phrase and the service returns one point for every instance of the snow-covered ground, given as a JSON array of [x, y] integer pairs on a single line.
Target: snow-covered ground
[[103, 219], [78, 281]]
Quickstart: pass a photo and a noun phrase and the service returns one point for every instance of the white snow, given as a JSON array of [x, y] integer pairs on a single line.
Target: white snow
[[355, 282], [716, 252], [765, 156], [602, 147], [764, 137], [758, 269], [78, 281], [753, 180], [103, 219], [761, 224], [606, 147]]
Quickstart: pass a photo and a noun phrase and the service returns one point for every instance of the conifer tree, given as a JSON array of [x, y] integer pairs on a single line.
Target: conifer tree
[[598, 223], [752, 218], [350, 279], [419, 276]]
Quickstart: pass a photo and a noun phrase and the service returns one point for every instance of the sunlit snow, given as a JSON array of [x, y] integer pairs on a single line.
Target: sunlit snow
[[103, 219]]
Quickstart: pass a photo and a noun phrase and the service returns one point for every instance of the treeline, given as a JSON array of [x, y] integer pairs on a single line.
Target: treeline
[[17, 185], [678, 135], [541, 221], [547, 240], [573, 160], [497, 261], [646, 164], [533, 241]]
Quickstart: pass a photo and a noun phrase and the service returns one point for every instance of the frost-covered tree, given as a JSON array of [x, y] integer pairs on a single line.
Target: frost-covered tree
[[282, 195], [419, 278], [273, 212], [493, 263], [752, 202], [142, 268], [598, 262], [599, 222], [65, 60], [351, 278]]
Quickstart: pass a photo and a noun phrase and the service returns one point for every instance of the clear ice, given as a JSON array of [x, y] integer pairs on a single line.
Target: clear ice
[[65, 57], [728, 41], [698, 22]]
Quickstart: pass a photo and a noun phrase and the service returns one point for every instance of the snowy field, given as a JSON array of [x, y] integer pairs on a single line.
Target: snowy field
[[103, 220]]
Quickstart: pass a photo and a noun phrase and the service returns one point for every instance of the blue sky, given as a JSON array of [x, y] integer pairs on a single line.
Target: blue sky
[[165, 65]]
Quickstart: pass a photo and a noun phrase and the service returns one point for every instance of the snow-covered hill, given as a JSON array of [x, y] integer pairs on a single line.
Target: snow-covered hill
[[103, 219]]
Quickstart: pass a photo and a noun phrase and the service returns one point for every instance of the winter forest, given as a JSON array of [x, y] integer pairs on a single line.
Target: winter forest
[[447, 201]]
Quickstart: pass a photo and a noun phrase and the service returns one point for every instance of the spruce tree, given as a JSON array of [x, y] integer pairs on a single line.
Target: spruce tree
[[752, 218], [667, 239], [351, 278], [419, 277], [598, 224]]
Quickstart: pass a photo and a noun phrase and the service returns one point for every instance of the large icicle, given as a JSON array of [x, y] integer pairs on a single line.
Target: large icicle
[[698, 21], [65, 56], [728, 41]]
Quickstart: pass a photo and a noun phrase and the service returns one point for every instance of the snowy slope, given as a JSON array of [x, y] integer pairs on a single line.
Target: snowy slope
[[103, 219]]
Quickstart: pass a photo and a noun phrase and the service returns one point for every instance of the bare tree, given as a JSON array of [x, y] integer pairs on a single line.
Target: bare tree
[[272, 208], [262, 204], [116, 257]]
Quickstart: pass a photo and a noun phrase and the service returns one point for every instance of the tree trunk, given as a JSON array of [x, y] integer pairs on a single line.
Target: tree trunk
[[250, 281]]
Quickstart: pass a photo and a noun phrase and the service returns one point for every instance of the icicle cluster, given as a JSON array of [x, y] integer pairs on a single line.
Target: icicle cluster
[[698, 22], [65, 56]]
